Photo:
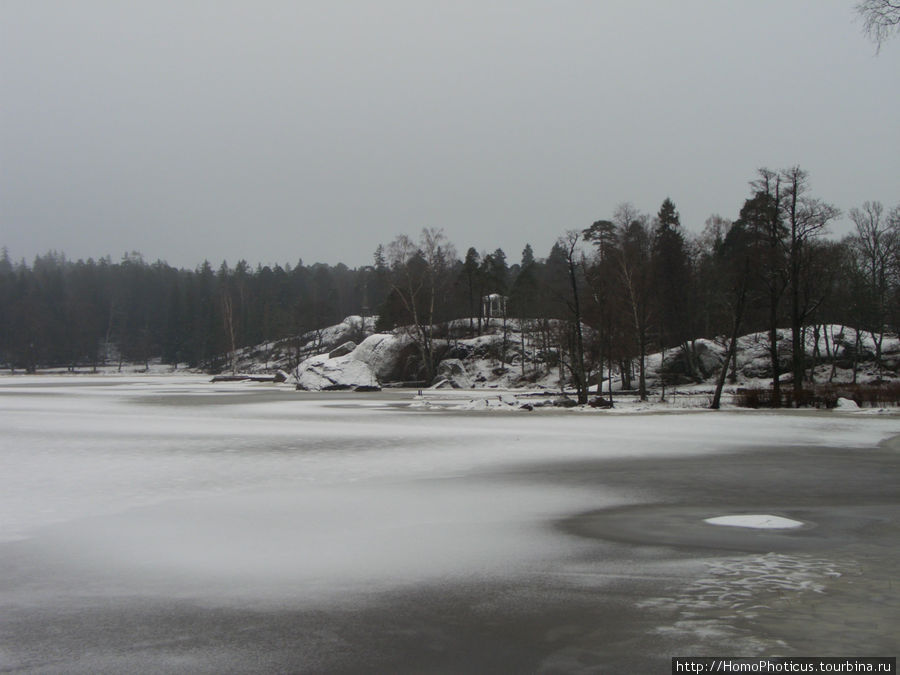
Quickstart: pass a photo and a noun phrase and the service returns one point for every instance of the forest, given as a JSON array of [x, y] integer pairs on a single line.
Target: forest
[[623, 287]]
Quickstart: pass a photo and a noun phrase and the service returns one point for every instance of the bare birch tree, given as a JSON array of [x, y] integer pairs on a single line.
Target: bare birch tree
[[418, 279], [569, 245], [636, 279], [876, 246], [805, 218]]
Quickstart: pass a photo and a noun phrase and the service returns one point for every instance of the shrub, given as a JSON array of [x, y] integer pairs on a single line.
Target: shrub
[[885, 394]]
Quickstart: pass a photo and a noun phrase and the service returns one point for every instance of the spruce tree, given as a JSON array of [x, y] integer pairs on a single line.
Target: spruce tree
[[671, 277]]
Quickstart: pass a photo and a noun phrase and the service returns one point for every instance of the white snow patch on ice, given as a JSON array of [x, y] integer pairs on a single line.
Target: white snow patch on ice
[[756, 521]]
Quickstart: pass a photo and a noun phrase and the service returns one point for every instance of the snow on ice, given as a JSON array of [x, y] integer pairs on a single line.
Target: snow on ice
[[755, 521]]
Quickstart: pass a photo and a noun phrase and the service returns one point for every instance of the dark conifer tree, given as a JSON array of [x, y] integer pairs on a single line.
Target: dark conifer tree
[[470, 271], [671, 281]]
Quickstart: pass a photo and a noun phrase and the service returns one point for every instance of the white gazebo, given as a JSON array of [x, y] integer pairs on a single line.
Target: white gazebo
[[493, 306]]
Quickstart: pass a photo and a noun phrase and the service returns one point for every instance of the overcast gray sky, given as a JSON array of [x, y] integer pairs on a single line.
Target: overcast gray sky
[[275, 131]]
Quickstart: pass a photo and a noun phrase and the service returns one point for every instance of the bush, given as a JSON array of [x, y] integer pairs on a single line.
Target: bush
[[886, 394]]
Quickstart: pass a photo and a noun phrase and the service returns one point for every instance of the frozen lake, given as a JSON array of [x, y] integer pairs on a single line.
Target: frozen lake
[[166, 524]]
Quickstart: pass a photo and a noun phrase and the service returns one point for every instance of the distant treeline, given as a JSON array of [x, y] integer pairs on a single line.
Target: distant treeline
[[58, 312], [635, 282]]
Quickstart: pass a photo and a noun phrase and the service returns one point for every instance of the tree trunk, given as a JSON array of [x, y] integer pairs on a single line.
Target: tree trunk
[[831, 351], [609, 372], [720, 380], [661, 374], [773, 347], [228, 318], [798, 348], [730, 354], [522, 344], [579, 339], [733, 375], [642, 373], [878, 339]]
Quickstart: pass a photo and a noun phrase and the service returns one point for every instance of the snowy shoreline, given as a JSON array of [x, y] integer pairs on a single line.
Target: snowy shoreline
[[540, 401]]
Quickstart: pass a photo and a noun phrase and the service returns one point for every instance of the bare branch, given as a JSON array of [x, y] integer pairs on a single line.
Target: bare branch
[[881, 18]]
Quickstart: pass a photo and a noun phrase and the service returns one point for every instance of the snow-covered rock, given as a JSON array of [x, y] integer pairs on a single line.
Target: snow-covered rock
[[343, 372], [353, 327], [521, 353], [846, 404], [285, 353], [385, 354], [709, 356], [379, 358], [453, 371], [700, 359], [342, 350]]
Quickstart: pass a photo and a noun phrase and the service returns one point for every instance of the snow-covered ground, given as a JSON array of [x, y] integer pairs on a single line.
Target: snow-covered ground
[[515, 354]]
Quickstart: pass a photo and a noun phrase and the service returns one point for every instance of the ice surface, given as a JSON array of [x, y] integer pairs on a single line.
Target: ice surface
[[257, 486]]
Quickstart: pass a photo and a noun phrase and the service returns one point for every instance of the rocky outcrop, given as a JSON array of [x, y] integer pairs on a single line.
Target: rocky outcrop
[[511, 358], [342, 350], [387, 355], [694, 362], [453, 373], [321, 373], [380, 358]]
